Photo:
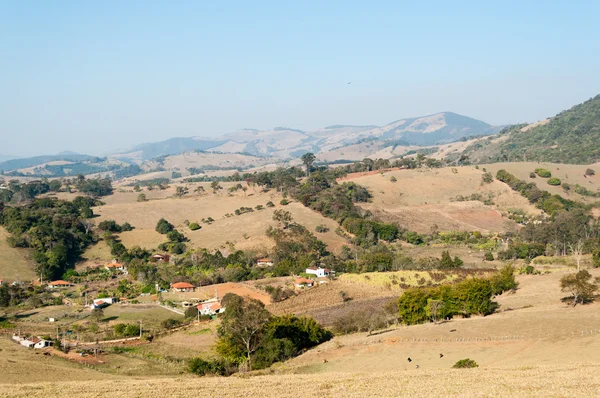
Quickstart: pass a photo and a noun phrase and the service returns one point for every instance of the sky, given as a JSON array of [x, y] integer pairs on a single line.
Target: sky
[[100, 76]]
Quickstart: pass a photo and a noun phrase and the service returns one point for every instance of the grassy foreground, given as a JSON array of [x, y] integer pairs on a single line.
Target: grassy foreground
[[571, 381]]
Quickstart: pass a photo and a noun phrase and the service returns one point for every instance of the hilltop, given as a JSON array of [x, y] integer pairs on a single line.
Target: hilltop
[[572, 136]]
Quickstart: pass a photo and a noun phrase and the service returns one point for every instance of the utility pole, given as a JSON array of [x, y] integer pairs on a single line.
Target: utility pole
[[140, 328]]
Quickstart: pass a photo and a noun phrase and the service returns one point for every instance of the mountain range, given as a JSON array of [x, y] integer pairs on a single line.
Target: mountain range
[[287, 143]]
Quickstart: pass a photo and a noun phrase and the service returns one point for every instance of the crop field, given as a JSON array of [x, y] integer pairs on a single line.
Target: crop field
[[150, 315]]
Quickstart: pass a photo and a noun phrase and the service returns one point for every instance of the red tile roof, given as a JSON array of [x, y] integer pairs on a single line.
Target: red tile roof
[[114, 265], [302, 281], [182, 285], [60, 283]]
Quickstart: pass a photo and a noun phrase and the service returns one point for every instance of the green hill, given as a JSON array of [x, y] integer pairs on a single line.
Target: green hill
[[572, 136]]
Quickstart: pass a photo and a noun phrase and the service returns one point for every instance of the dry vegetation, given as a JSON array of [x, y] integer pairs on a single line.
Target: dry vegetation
[[15, 264]]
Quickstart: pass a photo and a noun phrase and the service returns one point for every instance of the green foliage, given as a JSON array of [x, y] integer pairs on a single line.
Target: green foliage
[[596, 258], [367, 232], [393, 179], [580, 287], [284, 202], [590, 172], [126, 330], [321, 228], [172, 323], [201, 367], [504, 280], [532, 175], [489, 256], [554, 181], [543, 173], [487, 178], [447, 262], [465, 364], [270, 204], [163, 226], [572, 137], [194, 226]]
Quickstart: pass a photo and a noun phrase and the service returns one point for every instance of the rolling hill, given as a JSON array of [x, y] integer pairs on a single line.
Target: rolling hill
[[572, 137]]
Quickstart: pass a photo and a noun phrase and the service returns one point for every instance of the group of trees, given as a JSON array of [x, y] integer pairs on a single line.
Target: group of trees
[[56, 230], [251, 338], [472, 296]]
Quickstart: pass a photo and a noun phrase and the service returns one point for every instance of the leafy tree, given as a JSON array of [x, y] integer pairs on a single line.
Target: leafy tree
[[543, 173], [283, 217], [465, 364], [241, 332], [579, 286], [308, 159], [216, 186], [487, 178], [554, 181], [163, 226], [194, 226]]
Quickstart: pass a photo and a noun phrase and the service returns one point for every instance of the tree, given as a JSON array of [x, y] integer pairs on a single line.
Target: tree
[[97, 314], [163, 226], [242, 329], [199, 190], [215, 186], [434, 308], [142, 197], [308, 159], [283, 217], [579, 286], [577, 251], [180, 191]]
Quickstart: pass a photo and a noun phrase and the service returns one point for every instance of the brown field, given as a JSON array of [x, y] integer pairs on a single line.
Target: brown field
[[15, 264], [122, 206], [421, 198], [241, 289]]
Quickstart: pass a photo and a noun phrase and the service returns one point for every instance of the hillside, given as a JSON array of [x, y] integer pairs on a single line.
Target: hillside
[[572, 137], [15, 264]]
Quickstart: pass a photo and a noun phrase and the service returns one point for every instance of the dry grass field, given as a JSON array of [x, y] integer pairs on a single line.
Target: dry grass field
[[246, 231], [15, 264], [420, 199]]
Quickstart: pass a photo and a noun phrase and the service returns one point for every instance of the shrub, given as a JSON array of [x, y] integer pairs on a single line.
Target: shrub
[[554, 181], [170, 323], [202, 367], [194, 226], [543, 173], [504, 280], [532, 175], [142, 197], [393, 179], [489, 256], [487, 178], [465, 364], [590, 172], [321, 228], [259, 207], [163, 226], [284, 202], [270, 204]]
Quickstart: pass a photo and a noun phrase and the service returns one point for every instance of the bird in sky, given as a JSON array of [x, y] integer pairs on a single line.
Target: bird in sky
[[349, 83]]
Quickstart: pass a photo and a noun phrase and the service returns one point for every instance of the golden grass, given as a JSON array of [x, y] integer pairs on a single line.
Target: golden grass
[[553, 381], [394, 280], [15, 264]]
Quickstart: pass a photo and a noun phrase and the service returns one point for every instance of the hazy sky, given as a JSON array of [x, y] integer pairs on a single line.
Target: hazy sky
[[95, 76]]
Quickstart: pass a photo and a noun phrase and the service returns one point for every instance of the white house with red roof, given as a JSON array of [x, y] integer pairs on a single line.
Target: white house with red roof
[[303, 283], [59, 284], [264, 262], [182, 287], [318, 271], [115, 266], [211, 308]]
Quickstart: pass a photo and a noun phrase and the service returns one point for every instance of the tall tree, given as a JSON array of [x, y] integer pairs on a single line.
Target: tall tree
[[308, 159]]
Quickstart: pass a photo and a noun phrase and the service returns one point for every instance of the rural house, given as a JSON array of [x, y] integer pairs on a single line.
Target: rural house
[[182, 287], [115, 266], [103, 302], [319, 272], [32, 342], [161, 257], [210, 308], [264, 262], [302, 283], [59, 284]]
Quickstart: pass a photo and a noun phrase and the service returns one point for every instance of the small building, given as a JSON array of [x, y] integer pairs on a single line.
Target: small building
[[103, 302], [115, 266], [182, 287], [161, 257], [32, 342], [264, 262], [318, 271], [210, 308], [303, 283], [59, 284]]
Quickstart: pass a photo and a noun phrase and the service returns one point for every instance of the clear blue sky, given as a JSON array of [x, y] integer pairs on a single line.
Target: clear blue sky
[[94, 76]]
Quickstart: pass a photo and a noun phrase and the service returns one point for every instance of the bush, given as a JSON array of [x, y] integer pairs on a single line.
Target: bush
[[194, 226], [543, 173], [554, 181], [532, 175], [202, 367], [487, 178], [465, 364], [163, 226], [393, 179], [590, 172], [270, 204], [170, 323], [321, 228], [489, 256], [284, 202]]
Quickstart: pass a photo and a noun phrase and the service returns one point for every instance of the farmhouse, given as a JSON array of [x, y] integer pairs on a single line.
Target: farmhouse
[[264, 262], [32, 342], [161, 257], [319, 272], [302, 283], [59, 284], [114, 266], [210, 308], [103, 302], [182, 287]]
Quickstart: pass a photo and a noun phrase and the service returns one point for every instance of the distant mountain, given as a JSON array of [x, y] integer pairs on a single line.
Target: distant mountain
[[572, 136], [4, 158], [286, 143], [16, 164]]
